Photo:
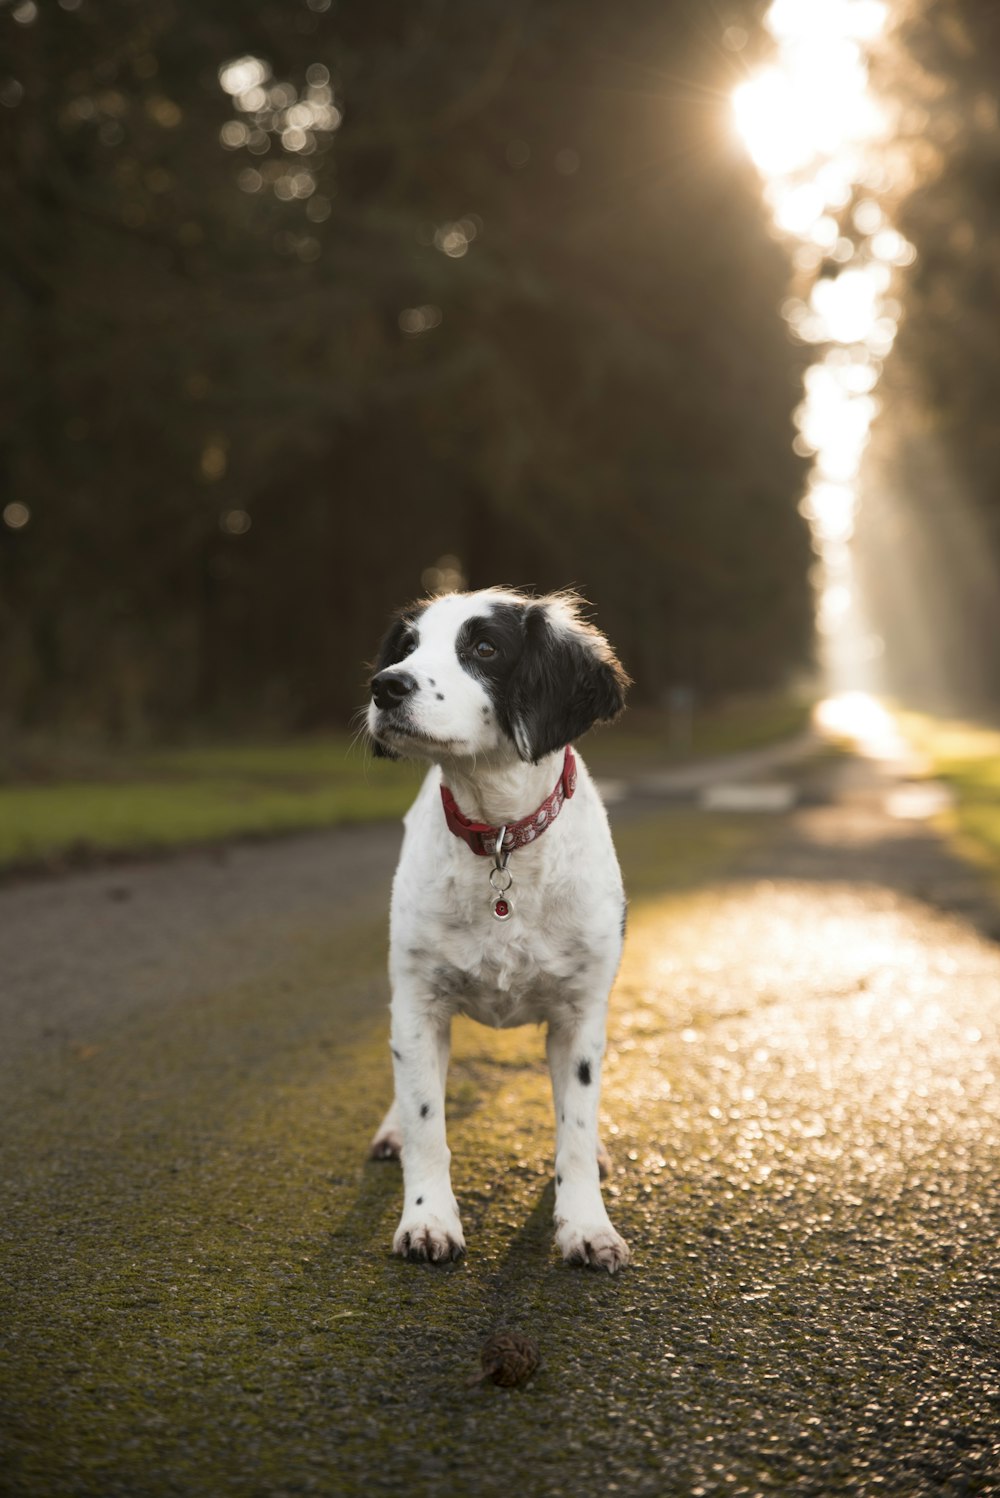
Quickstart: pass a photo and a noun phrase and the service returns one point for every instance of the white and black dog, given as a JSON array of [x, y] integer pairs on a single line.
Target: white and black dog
[[492, 687]]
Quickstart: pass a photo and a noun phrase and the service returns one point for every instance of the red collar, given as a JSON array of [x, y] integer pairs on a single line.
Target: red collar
[[482, 838]]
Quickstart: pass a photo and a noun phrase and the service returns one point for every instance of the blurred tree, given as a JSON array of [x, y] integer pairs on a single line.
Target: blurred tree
[[300, 297], [933, 532]]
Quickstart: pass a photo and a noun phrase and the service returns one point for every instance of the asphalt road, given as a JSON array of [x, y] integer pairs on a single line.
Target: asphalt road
[[800, 1095]]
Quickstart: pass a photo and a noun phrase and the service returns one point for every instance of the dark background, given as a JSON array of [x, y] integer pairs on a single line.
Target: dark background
[[248, 397]]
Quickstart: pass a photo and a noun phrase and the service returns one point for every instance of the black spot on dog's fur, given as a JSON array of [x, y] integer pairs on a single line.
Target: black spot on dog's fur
[[624, 917], [425, 1109], [396, 1053], [420, 1201], [558, 1180], [583, 1073], [439, 696]]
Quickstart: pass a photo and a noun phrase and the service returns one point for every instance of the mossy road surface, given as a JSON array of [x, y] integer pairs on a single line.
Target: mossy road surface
[[800, 1094]]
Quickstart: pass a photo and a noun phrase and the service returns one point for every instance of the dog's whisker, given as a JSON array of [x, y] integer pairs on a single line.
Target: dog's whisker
[[361, 739]]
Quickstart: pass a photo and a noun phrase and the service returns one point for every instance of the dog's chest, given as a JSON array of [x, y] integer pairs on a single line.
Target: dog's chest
[[512, 982], [530, 969], [558, 949]]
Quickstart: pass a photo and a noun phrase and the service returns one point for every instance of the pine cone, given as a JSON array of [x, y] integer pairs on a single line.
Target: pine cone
[[508, 1359]]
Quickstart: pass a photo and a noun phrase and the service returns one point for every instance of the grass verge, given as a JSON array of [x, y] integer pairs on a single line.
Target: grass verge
[[60, 810], [966, 756], [63, 805], [646, 740]]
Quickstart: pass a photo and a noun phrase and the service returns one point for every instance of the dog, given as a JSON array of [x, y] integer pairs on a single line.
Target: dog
[[507, 904]]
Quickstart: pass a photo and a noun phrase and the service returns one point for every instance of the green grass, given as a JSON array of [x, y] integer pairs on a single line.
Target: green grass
[[643, 740], [73, 802], [966, 756], [119, 803]]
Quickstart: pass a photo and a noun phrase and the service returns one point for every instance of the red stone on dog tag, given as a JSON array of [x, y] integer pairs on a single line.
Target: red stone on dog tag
[[501, 909]]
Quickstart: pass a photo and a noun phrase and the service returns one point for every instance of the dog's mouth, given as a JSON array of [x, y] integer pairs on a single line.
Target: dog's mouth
[[397, 734]]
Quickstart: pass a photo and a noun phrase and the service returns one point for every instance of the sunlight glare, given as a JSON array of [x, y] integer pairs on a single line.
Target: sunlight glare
[[847, 306], [830, 510], [816, 133], [862, 20], [863, 722], [807, 108]]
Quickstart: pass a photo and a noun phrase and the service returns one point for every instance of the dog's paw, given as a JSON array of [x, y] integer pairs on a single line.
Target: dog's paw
[[595, 1244], [386, 1145], [432, 1239]]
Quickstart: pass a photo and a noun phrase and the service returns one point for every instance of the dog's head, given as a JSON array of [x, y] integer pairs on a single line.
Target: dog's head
[[491, 673]]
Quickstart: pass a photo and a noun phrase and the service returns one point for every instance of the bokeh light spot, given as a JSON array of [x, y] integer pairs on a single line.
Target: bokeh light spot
[[235, 522], [16, 515], [445, 576], [214, 459], [415, 320], [243, 73]]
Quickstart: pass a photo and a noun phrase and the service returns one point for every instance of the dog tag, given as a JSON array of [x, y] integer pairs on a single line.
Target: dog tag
[[501, 879]]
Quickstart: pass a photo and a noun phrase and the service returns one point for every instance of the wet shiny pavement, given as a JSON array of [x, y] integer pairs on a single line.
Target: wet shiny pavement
[[801, 1098]]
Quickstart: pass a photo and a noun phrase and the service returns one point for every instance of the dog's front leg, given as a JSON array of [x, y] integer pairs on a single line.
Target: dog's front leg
[[388, 1141], [429, 1227], [584, 1233]]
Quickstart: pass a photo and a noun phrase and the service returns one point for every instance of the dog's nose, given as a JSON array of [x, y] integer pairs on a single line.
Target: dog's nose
[[390, 687]]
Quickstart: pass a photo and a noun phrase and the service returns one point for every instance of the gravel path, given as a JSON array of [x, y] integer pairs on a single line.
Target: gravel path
[[801, 1098]]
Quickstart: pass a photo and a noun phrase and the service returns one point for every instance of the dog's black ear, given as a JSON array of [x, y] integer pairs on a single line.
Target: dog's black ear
[[567, 679], [397, 642]]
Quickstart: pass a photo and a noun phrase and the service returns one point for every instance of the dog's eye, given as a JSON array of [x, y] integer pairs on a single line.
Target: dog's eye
[[483, 649]]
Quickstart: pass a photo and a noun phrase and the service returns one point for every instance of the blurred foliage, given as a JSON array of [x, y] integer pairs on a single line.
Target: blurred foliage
[[509, 296], [951, 86]]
